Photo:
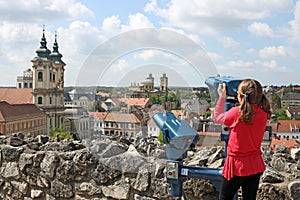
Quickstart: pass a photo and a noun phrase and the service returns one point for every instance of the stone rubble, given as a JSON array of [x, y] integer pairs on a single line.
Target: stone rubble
[[41, 168]]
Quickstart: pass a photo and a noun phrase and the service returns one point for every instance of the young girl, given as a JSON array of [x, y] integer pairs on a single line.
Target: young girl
[[247, 122]]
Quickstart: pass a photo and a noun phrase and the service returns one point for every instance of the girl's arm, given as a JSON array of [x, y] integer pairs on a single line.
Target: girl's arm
[[219, 114]]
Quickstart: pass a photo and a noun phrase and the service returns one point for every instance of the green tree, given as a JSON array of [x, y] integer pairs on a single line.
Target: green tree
[[206, 114], [172, 97], [281, 114], [123, 104], [275, 101], [60, 132], [154, 99], [160, 138]]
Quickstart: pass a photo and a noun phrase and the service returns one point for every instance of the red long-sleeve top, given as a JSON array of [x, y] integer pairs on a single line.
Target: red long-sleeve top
[[243, 150]]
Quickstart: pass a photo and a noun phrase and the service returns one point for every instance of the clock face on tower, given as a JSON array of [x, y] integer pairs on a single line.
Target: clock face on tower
[[40, 63]]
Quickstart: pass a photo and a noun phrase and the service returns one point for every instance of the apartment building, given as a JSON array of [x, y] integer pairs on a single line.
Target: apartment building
[[25, 118], [122, 124], [290, 99], [289, 129]]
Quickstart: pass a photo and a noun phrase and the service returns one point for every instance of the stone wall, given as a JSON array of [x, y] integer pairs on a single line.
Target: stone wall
[[39, 168]]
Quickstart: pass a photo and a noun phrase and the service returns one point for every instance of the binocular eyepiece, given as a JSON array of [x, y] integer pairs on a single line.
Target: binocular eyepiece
[[232, 84]]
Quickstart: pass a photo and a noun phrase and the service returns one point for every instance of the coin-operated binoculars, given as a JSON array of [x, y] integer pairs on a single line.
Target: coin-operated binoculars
[[179, 138], [232, 84]]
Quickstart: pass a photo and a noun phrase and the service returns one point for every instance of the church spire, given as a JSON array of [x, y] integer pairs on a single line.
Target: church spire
[[43, 51], [55, 45], [55, 55]]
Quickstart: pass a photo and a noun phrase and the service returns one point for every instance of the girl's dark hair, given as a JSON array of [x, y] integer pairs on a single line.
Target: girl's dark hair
[[251, 93]]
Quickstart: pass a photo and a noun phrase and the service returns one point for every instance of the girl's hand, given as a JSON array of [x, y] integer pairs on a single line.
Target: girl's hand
[[222, 90]]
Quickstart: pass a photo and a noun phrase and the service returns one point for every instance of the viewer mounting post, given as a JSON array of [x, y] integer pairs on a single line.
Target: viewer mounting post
[[180, 137]]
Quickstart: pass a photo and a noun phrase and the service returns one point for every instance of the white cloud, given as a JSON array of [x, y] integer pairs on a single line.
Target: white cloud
[[214, 56], [146, 54], [18, 44], [111, 25], [80, 37], [41, 11], [241, 64], [119, 66], [273, 66], [136, 21], [213, 17], [295, 24], [269, 52], [228, 42], [254, 66], [252, 51], [76, 42], [261, 30]]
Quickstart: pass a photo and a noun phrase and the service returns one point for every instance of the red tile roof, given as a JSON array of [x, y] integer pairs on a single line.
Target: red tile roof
[[151, 122], [103, 94], [285, 126], [138, 101], [100, 115], [131, 101], [14, 112], [116, 101], [121, 117], [16, 95], [290, 143], [177, 113]]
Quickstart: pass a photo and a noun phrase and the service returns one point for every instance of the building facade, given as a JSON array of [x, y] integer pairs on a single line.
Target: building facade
[[48, 82], [288, 129], [146, 88], [79, 120], [25, 81], [152, 129], [125, 125], [25, 118], [99, 122], [163, 83], [290, 99]]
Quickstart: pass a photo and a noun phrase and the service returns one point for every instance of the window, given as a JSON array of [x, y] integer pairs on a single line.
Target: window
[[25, 85], [53, 78], [30, 85], [50, 100], [50, 76], [40, 100], [20, 85], [40, 76]]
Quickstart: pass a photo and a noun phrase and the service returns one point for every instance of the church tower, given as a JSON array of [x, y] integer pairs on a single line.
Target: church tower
[[163, 83], [48, 82]]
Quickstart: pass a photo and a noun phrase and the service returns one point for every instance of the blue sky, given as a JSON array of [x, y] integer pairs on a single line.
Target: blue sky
[[255, 39]]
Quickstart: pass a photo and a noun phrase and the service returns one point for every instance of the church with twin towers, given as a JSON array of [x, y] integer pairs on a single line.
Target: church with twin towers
[[48, 82]]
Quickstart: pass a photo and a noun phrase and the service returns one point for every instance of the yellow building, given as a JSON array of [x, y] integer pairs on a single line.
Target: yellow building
[[146, 87], [48, 82]]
